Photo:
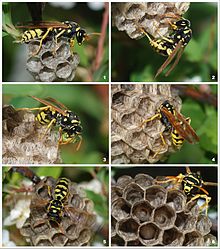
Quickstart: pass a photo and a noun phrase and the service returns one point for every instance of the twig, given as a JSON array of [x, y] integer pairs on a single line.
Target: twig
[[100, 48]]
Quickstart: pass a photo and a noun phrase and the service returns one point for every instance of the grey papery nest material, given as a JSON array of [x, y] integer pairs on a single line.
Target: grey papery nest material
[[54, 62], [25, 141], [146, 214], [131, 105], [153, 17], [74, 230]]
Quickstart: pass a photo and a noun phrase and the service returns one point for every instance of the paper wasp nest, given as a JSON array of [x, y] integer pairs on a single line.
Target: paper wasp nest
[[153, 17], [24, 141], [54, 62], [131, 105], [76, 230], [146, 214]]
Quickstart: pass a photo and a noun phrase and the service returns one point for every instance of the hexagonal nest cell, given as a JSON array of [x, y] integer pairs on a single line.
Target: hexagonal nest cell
[[76, 226], [154, 218], [25, 141], [131, 140], [154, 17], [54, 62]]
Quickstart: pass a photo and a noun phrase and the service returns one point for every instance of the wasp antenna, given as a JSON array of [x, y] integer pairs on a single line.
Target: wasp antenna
[[95, 33]]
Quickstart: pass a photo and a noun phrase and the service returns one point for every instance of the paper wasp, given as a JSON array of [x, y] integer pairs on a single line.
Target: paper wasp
[[175, 123], [56, 204], [42, 30], [56, 114], [173, 44], [192, 185]]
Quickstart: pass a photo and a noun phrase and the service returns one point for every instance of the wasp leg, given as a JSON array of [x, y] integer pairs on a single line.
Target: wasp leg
[[205, 205], [177, 179], [158, 115], [41, 41], [56, 39], [33, 109], [72, 42], [210, 183], [164, 143], [75, 139], [48, 127]]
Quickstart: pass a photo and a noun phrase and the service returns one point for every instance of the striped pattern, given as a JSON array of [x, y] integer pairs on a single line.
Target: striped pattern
[[62, 189], [31, 34]]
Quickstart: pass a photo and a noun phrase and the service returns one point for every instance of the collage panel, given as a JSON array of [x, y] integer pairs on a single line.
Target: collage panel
[[164, 206], [110, 134], [55, 41], [164, 41], [55, 206], [55, 124], [164, 123]]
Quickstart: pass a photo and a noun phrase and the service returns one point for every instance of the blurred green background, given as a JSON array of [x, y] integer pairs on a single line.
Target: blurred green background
[[89, 17], [89, 176], [200, 104], [89, 102], [135, 60]]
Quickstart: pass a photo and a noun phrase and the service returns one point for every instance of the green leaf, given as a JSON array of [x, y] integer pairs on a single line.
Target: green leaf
[[145, 75], [103, 176], [100, 203], [193, 110], [22, 90], [53, 171], [193, 51], [209, 130]]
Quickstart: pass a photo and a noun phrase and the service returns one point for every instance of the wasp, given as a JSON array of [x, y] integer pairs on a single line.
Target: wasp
[[42, 30], [57, 114], [173, 44], [192, 185], [55, 206], [175, 123]]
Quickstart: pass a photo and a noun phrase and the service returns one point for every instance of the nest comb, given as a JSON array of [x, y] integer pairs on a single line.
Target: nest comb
[[23, 142], [146, 214], [131, 105], [73, 230], [153, 17], [54, 62]]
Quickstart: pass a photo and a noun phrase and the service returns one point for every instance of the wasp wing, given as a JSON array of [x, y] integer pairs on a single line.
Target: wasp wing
[[180, 124], [56, 102], [42, 24], [169, 60], [80, 216], [47, 103]]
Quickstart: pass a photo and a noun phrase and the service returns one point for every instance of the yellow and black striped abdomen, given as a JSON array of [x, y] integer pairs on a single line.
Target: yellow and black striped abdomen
[[62, 189], [32, 34], [177, 139]]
